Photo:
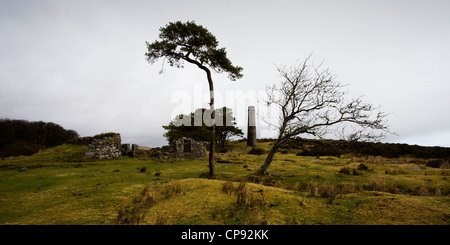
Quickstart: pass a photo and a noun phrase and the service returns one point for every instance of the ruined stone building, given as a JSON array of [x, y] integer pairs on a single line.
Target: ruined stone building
[[104, 146], [189, 148], [181, 148]]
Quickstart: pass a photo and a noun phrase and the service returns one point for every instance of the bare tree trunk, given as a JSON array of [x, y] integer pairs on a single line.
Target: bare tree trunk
[[264, 170]]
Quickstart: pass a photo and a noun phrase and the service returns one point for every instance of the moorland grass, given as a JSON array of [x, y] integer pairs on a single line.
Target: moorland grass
[[59, 187]]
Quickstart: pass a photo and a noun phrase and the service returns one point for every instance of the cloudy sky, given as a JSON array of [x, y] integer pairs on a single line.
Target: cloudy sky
[[81, 64]]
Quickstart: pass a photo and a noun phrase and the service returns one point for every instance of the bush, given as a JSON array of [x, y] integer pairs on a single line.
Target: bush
[[20, 137], [256, 151], [20, 148], [434, 163]]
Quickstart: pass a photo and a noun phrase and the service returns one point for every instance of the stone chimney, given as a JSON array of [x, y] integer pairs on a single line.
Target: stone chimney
[[251, 129]]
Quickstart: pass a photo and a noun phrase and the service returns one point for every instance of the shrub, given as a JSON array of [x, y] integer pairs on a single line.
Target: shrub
[[20, 148], [434, 163], [256, 151]]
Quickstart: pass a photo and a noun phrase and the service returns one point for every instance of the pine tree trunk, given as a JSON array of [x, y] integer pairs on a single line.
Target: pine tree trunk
[[212, 149], [212, 146]]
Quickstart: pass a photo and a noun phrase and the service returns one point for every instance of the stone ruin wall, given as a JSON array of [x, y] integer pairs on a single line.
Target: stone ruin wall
[[176, 150], [104, 146], [108, 146], [197, 148]]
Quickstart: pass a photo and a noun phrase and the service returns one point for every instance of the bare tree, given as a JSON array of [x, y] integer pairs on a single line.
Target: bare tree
[[312, 101]]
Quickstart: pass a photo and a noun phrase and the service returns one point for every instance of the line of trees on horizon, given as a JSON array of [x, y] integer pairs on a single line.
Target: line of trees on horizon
[[21, 137]]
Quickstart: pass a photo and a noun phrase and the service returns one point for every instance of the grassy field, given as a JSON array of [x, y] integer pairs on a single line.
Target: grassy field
[[61, 188]]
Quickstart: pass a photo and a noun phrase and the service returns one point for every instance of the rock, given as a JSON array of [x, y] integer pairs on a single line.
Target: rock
[[362, 167], [24, 169], [288, 160]]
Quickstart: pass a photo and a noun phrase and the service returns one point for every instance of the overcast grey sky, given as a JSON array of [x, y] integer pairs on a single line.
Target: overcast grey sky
[[81, 64]]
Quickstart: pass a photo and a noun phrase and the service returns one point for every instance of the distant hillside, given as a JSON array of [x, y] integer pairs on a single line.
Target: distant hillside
[[311, 147], [21, 137]]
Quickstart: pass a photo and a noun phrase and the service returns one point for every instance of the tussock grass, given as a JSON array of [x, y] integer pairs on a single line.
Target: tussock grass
[[170, 189], [249, 199], [378, 183], [349, 170], [396, 171], [133, 213], [228, 187]]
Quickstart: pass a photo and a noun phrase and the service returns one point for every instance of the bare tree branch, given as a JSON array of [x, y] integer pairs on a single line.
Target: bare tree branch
[[312, 101]]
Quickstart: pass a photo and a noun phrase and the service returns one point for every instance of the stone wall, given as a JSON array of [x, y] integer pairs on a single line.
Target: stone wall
[[179, 149], [104, 146], [189, 148], [133, 150]]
